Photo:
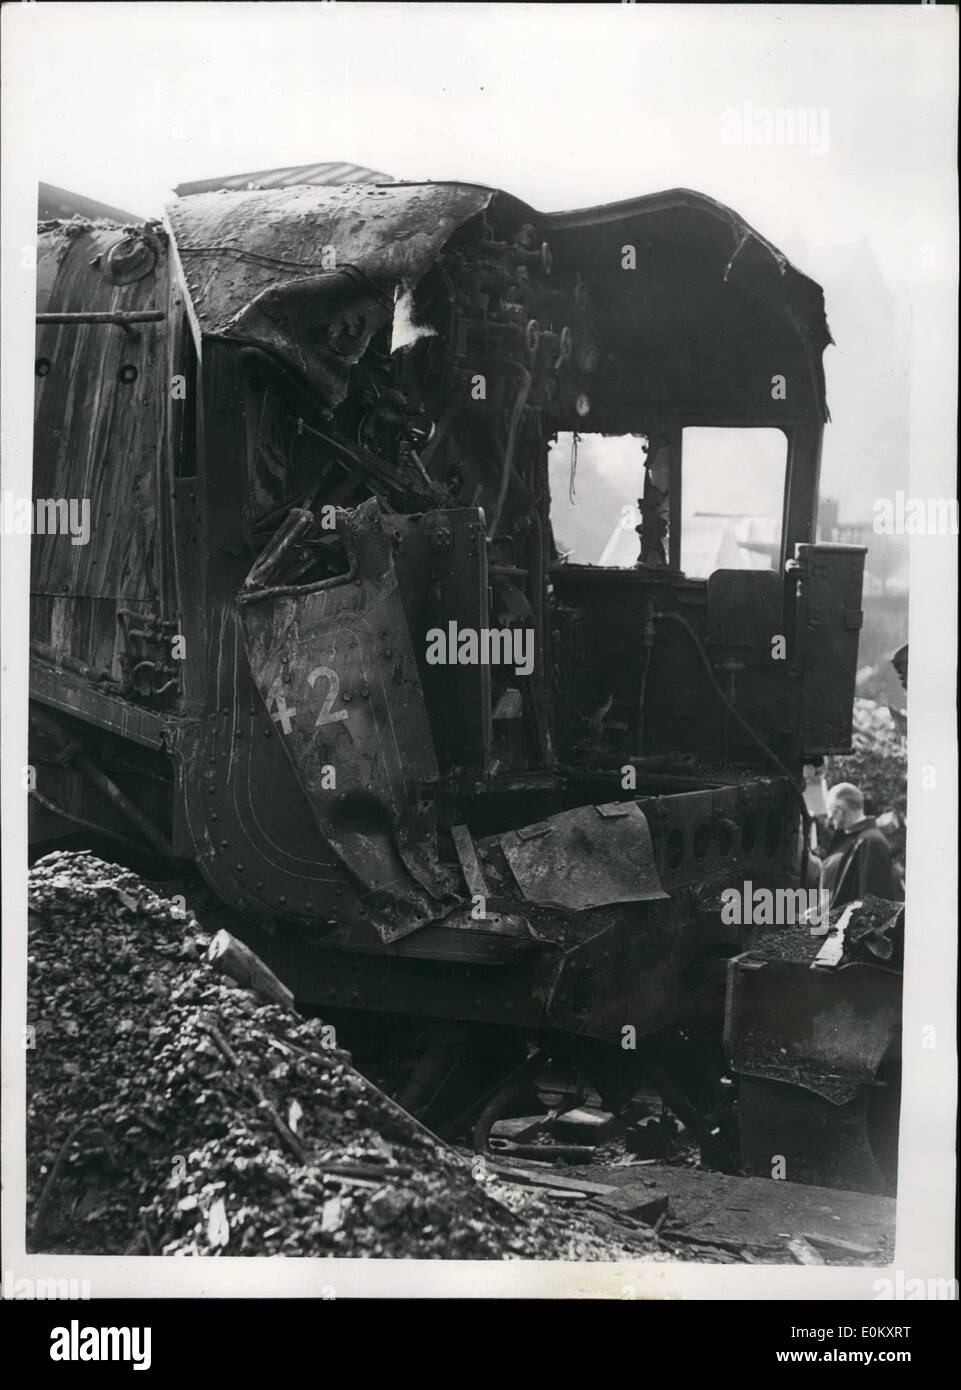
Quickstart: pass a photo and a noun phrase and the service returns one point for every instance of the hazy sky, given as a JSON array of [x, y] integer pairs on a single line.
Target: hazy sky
[[564, 105]]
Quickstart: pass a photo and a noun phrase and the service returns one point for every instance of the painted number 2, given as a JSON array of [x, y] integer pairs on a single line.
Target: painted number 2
[[327, 715]]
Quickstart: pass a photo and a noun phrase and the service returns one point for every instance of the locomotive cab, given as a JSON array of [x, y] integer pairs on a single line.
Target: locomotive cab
[[399, 623]]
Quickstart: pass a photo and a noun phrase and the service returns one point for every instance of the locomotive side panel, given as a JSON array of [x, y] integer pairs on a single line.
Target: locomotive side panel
[[100, 444]]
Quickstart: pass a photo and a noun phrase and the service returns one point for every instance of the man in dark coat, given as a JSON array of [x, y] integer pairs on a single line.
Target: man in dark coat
[[858, 860]]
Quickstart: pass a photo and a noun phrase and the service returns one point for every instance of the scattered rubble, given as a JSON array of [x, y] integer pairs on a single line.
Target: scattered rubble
[[171, 1111]]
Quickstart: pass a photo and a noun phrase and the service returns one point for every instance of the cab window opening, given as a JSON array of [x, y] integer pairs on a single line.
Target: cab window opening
[[612, 503]]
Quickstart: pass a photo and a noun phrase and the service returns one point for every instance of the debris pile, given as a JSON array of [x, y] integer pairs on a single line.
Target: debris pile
[[170, 1111]]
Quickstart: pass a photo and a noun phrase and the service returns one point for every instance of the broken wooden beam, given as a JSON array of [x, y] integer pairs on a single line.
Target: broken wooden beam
[[231, 957], [539, 1178], [834, 1245], [803, 1252], [284, 1131]]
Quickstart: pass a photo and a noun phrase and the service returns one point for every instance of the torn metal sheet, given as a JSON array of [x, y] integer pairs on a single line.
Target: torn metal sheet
[[681, 216], [876, 935], [259, 264], [585, 858], [628, 970], [468, 860], [334, 664]]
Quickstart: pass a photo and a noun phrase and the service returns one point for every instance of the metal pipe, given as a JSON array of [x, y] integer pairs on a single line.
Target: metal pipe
[[432, 1070], [49, 726], [119, 316], [500, 1100], [84, 824], [536, 597], [520, 401], [45, 652], [682, 1107], [648, 634]]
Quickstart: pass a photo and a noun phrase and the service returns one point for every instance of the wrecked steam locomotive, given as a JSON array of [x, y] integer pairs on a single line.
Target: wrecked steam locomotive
[[314, 425]]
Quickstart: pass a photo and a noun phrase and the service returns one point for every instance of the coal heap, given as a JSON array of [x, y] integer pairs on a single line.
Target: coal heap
[[170, 1111]]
